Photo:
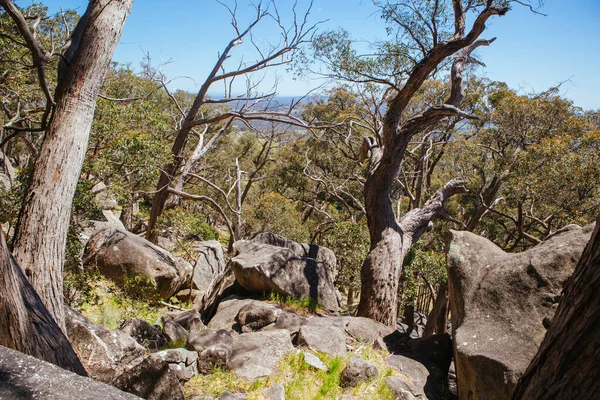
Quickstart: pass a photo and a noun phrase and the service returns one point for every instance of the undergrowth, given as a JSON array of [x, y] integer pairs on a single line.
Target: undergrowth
[[299, 379], [302, 307]]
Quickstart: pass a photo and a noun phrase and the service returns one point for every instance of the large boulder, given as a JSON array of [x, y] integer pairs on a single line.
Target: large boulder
[[326, 335], [416, 380], [256, 354], [182, 362], [316, 252], [356, 371], [260, 267], [228, 310], [120, 255], [501, 303], [366, 330], [23, 377], [150, 378], [209, 264], [103, 352]]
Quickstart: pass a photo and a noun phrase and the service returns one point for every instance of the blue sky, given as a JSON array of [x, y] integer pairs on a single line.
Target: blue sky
[[531, 53]]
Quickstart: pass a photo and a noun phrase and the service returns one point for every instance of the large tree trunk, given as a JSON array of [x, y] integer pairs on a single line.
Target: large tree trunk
[[566, 365], [381, 270], [390, 240], [42, 231], [25, 323]]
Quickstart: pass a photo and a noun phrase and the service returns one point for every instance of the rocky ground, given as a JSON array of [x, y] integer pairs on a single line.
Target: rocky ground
[[250, 332]]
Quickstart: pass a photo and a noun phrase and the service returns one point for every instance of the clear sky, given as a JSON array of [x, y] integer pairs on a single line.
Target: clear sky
[[531, 53]]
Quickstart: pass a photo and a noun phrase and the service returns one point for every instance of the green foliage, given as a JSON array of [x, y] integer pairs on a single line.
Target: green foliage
[[418, 264], [298, 306], [350, 244], [110, 304], [274, 213], [187, 223], [300, 380]]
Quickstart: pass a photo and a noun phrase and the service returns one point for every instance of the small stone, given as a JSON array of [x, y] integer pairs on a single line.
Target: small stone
[[314, 361], [275, 392], [356, 371]]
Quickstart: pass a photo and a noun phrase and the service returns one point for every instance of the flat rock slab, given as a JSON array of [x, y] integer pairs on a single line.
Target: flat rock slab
[[25, 377], [319, 335], [256, 354], [499, 303]]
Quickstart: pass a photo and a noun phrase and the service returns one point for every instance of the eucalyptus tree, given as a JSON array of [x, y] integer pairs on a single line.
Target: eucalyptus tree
[[41, 234], [39, 241], [427, 37]]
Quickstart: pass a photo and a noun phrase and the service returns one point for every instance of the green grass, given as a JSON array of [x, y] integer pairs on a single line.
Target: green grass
[[300, 380], [299, 306], [112, 308]]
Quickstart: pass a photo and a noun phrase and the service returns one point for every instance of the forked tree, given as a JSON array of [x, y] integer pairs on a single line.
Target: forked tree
[[41, 234], [430, 35]]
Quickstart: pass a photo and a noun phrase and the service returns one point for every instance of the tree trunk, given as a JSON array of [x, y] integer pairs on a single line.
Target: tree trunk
[[381, 270], [437, 317], [566, 364], [42, 230], [350, 297], [25, 323]]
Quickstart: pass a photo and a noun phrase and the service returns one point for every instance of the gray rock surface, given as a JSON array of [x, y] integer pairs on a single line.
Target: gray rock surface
[[261, 267], [200, 340], [120, 255], [421, 381], [399, 388], [182, 362], [499, 302], [318, 335], [175, 333], [255, 316], [217, 355], [275, 392], [227, 311], [191, 320], [314, 361], [256, 354], [232, 396], [356, 371], [316, 252], [366, 330], [290, 321], [151, 379], [209, 264], [147, 335], [103, 352], [23, 377]]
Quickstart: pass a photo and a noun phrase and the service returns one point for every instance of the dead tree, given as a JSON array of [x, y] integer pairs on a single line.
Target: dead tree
[[291, 39], [566, 364]]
